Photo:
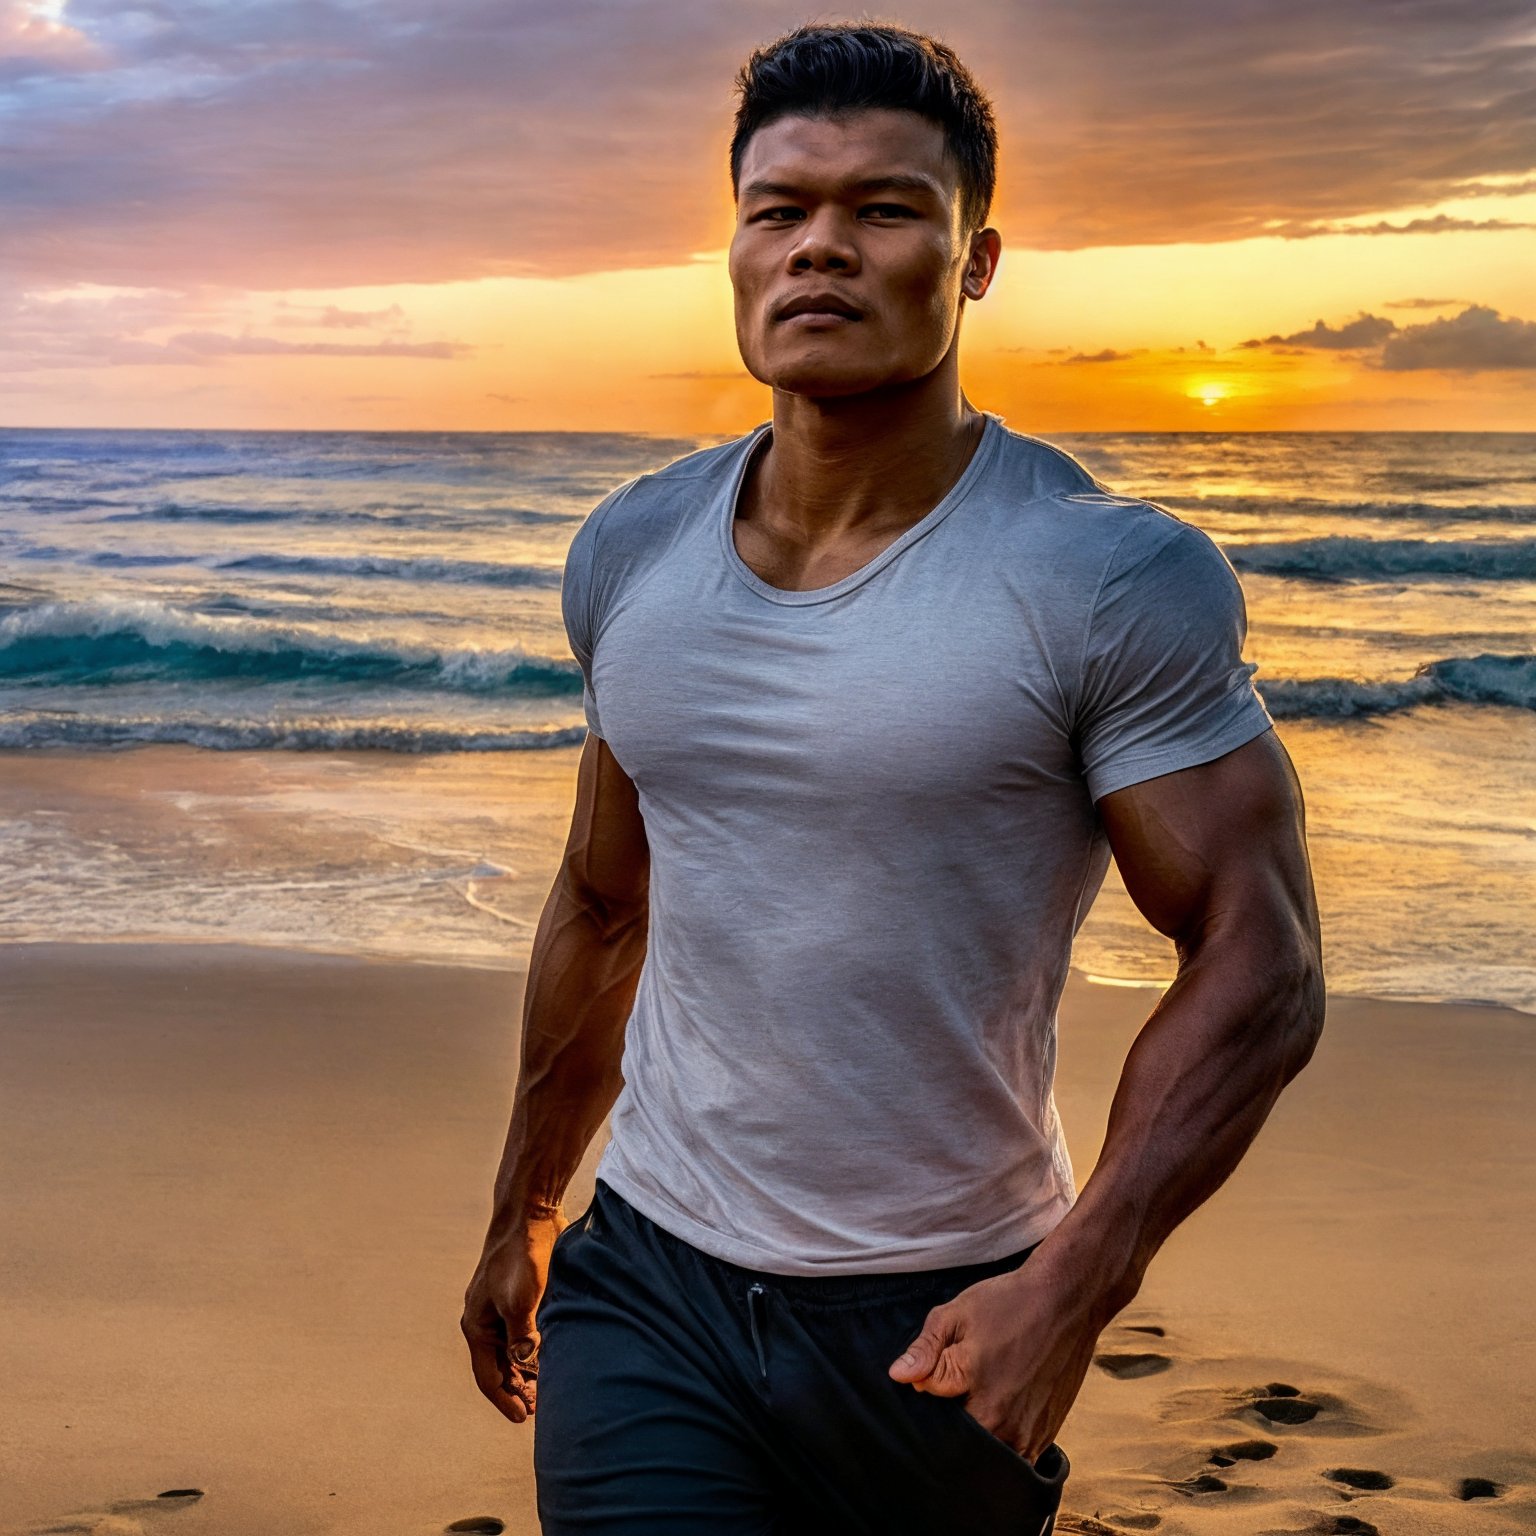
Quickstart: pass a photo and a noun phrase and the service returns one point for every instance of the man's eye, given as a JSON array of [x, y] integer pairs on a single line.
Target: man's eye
[[778, 215], [887, 211]]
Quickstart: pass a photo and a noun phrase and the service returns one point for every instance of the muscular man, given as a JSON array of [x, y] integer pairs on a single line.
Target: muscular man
[[873, 693]]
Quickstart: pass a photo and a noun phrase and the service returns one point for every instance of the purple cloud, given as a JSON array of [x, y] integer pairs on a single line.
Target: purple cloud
[[213, 344], [294, 144], [1365, 331], [1479, 339]]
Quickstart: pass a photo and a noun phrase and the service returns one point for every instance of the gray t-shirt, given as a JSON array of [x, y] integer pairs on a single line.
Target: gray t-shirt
[[870, 810]]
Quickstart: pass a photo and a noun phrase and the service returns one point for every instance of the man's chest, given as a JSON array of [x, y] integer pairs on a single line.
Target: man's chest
[[917, 690]]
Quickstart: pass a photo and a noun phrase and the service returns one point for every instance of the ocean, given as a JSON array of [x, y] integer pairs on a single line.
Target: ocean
[[313, 688]]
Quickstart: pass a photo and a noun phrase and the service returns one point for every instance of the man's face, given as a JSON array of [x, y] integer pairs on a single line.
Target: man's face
[[860, 212]]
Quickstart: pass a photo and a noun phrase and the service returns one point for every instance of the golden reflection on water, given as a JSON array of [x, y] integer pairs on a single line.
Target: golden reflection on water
[[1405, 860]]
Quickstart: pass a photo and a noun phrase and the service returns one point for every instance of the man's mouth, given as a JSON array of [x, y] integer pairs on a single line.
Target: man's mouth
[[821, 306]]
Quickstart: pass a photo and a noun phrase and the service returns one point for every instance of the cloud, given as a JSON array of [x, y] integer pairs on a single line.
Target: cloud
[[733, 375], [1440, 224], [35, 41], [87, 327], [322, 143], [1106, 355], [1365, 331], [82, 327], [330, 317], [1478, 339], [1421, 303], [1508, 187], [212, 344]]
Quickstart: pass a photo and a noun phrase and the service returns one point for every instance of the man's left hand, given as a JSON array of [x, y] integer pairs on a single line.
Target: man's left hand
[[1016, 1347]]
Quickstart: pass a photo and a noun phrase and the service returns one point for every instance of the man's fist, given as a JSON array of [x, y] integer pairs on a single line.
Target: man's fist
[[499, 1307]]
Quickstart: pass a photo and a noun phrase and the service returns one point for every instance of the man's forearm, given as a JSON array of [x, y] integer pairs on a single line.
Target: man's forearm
[[1199, 1081], [585, 965]]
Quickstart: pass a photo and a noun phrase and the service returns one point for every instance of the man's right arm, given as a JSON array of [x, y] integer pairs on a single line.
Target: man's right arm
[[582, 974]]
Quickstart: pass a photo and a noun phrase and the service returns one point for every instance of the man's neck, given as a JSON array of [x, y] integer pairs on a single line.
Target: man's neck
[[863, 462]]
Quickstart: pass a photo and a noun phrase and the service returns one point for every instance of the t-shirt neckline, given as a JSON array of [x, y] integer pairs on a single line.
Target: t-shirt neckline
[[991, 432]]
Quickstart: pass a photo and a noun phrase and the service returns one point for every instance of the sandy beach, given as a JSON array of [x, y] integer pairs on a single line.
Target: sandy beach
[[241, 1190]]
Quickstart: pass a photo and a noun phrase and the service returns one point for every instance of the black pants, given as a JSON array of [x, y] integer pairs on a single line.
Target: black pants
[[680, 1395]]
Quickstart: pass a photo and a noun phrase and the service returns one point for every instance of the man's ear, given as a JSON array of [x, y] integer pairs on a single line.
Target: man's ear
[[986, 248]]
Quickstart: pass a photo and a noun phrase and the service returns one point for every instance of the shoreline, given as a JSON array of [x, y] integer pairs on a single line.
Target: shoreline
[[447, 858], [516, 966]]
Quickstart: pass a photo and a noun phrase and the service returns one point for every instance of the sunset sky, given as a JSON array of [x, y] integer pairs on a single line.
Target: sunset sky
[[494, 214]]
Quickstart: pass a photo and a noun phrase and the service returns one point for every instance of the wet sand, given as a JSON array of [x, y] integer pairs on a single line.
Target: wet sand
[[241, 1190]]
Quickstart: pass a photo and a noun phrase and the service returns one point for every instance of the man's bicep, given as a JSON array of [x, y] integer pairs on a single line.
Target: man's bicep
[[1223, 840], [606, 852]]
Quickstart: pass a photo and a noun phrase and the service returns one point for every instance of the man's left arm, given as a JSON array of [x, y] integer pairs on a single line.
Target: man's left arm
[[1215, 857]]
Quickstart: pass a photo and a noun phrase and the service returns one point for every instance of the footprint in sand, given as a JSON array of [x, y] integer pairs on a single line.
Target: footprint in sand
[[1242, 1450], [1281, 1403], [1361, 1477], [1206, 1482], [1128, 1364], [1201, 1482], [1126, 1367], [1069, 1524], [1479, 1488], [119, 1517], [1330, 1525], [479, 1525]]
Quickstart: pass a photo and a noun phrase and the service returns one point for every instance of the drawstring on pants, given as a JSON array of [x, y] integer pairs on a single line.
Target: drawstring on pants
[[754, 1291]]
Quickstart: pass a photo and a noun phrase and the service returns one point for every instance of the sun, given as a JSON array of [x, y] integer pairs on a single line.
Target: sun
[[1209, 393]]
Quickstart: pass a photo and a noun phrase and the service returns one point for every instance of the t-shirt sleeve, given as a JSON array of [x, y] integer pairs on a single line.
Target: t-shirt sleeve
[[579, 602], [1164, 685]]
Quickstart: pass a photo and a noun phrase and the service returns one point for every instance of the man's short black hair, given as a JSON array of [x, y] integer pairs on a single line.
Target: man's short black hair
[[821, 69]]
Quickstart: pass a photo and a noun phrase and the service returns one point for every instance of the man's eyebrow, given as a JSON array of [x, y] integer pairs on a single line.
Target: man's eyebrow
[[896, 181]]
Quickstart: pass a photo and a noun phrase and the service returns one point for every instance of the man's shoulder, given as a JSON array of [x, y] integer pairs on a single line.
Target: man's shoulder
[[690, 480], [707, 463], [1044, 491]]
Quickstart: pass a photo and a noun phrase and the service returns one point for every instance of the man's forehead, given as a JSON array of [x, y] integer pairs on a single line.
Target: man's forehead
[[874, 147]]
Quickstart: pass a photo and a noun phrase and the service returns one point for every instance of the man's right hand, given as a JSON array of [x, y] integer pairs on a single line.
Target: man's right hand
[[499, 1308], [588, 952]]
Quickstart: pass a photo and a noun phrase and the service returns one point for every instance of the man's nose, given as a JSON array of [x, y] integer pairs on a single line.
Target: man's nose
[[826, 244]]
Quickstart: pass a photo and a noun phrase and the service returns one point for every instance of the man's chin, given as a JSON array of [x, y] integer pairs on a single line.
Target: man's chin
[[824, 383]]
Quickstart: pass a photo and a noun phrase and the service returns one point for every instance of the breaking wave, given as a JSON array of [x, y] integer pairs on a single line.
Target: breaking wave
[[48, 729], [1346, 559], [1506, 680], [105, 641]]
